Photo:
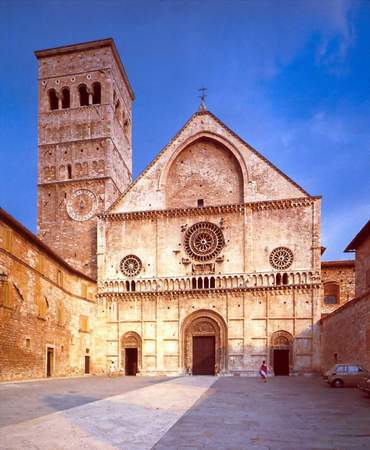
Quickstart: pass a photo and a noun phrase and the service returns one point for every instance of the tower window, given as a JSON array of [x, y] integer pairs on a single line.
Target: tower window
[[96, 93], [84, 95], [69, 170], [200, 202], [53, 99], [66, 98]]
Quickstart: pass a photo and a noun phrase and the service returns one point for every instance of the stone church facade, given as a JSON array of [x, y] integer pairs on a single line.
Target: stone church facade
[[212, 249], [208, 263]]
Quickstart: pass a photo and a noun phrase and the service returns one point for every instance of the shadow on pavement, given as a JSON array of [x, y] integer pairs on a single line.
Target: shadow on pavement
[[62, 402]]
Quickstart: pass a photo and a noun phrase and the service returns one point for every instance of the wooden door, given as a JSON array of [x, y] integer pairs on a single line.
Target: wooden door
[[130, 361], [87, 364], [49, 361], [204, 357], [281, 362]]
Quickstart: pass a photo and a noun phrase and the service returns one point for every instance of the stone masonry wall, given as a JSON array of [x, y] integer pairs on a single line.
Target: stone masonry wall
[[345, 334], [43, 304], [363, 267], [251, 320], [341, 273]]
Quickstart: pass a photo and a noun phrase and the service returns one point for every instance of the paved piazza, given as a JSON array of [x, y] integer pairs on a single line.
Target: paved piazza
[[182, 413]]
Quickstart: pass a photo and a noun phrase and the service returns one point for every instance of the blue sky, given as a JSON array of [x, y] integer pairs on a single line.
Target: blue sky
[[291, 77]]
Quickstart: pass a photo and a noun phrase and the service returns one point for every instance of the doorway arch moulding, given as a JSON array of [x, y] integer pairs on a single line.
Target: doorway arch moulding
[[204, 322]]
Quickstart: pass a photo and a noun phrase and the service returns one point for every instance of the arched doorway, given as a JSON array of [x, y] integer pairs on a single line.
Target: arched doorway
[[131, 353], [204, 337], [282, 352]]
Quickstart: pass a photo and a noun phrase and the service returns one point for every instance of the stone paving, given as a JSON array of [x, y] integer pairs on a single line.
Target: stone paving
[[135, 420], [31, 399], [287, 413]]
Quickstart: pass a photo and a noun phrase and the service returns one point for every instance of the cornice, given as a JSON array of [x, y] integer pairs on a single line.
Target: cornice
[[200, 293], [210, 210]]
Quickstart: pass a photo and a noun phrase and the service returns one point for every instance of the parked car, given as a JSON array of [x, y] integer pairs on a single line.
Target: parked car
[[365, 386], [346, 375]]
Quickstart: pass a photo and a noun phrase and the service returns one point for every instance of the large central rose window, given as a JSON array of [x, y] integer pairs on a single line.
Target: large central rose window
[[203, 241]]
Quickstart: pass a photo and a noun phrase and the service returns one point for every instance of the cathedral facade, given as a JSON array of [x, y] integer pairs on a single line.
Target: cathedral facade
[[208, 263]]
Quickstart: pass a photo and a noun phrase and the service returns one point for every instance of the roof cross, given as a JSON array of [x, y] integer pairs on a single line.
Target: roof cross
[[202, 96]]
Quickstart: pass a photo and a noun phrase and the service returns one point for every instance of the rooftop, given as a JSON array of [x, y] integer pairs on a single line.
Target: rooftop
[[25, 232], [341, 263], [363, 234]]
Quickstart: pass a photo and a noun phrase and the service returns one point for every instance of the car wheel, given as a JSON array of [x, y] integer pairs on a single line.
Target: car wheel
[[337, 383]]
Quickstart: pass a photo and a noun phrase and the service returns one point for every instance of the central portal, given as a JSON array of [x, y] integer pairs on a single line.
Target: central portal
[[204, 343], [204, 357]]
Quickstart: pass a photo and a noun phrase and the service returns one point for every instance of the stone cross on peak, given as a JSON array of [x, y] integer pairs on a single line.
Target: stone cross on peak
[[202, 105]]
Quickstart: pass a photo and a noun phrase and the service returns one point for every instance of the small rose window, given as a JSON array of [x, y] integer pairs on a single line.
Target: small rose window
[[130, 265], [281, 258]]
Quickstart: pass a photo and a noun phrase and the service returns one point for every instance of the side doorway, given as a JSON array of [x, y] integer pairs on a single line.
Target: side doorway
[[131, 353], [49, 361], [281, 352], [131, 361], [87, 364]]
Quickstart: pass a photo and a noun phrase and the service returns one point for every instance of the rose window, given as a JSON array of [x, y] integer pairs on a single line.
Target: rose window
[[281, 258], [203, 241], [130, 265]]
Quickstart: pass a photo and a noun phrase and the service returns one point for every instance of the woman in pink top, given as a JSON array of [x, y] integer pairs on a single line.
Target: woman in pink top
[[263, 371]]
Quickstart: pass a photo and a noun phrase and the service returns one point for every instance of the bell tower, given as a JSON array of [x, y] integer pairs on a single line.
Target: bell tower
[[84, 145]]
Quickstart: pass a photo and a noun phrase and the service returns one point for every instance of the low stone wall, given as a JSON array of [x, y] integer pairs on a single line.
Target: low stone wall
[[345, 334]]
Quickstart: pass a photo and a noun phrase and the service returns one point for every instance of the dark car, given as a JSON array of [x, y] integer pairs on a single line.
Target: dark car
[[346, 375], [365, 386]]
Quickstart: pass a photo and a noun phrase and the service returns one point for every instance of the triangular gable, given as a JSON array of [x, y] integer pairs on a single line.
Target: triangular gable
[[145, 192]]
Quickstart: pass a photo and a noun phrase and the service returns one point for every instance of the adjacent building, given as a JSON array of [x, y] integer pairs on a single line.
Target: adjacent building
[[346, 331], [47, 309]]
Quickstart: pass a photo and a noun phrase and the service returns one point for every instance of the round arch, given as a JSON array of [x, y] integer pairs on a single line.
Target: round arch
[[131, 353], [162, 182], [204, 322], [281, 352]]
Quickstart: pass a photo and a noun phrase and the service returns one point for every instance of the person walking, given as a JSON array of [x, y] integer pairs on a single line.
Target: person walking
[[263, 371]]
